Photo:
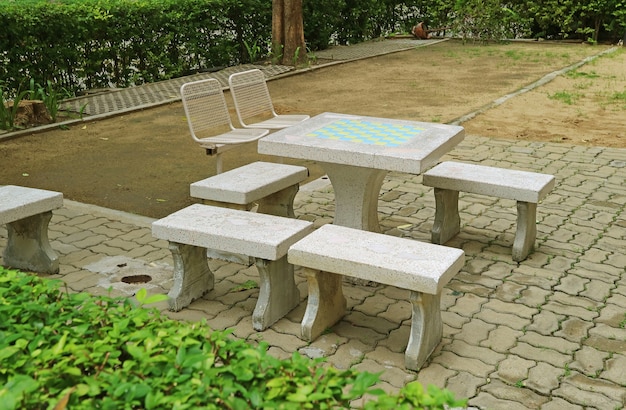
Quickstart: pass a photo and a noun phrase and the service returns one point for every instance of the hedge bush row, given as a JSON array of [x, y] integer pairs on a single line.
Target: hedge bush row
[[92, 44], [77, 351], [84, 44], [79, 44]]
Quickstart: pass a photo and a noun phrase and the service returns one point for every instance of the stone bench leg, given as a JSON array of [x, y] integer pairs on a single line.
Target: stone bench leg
[[28, 247], [192, 276], [280, 203], [326, 304], [526, 230], [278, 293], [426, 329], [447, 220]]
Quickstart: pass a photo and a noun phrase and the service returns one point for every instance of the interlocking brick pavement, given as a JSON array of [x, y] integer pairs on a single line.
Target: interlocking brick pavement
[[545, 333]]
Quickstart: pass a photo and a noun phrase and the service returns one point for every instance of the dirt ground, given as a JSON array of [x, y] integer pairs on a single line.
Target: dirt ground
[[144, 162]]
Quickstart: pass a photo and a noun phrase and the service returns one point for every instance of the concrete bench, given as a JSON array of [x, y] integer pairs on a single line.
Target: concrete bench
[[27, 213], [423, 268], [193, 230], [272, 186], [527, 188], [268, 186]]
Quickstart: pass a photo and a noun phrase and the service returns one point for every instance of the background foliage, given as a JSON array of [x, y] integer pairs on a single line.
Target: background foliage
[[85, 44], [71, 350], [102, 43]]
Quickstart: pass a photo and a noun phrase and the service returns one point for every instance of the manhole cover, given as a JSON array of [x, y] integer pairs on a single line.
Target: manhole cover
[[136, 279]]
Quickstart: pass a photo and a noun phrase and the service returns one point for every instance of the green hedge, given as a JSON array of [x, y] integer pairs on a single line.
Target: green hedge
[[85, 44], [78, 351], [103, 43]]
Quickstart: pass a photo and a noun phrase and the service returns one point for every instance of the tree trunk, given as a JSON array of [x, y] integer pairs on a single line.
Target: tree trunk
[[30, 113], [288, 46], [596, 31], [278, 40]]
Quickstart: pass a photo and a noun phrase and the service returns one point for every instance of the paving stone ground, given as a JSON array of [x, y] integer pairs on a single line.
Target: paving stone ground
[[546, 333]]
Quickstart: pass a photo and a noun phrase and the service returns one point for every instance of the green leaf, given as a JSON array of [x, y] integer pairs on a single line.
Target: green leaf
[[153, 399], [156, 298], [298, 397], [21, 384], [7, 352], [140, 390], [58, 348], [8, 400], [141, 295], [73, 371]]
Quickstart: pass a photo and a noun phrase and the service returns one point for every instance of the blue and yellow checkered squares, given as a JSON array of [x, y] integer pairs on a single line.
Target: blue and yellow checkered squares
[[367, 132]]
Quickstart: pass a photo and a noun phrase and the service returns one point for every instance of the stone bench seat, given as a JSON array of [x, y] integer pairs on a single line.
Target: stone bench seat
[[268, 186], [266, 238], [423, 268], [26, 212], [527, 188]]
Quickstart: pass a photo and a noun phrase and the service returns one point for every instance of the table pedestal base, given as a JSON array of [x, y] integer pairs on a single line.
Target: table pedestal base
[[356, 195]]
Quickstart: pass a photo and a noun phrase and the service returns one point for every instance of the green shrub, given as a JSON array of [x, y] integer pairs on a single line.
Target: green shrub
[[79, 44], [93, 44], [84, 352], [321, 19]]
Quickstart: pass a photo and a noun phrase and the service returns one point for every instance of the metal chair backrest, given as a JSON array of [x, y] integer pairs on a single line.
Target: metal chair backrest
[[250, 95], [205, 107]]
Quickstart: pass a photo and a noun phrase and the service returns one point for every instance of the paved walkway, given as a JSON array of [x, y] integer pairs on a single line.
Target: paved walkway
[[113, 102], [163, 92], [546, 333]]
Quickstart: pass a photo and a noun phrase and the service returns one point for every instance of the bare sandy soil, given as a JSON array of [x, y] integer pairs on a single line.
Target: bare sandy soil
[[144, 162], [584, 107]]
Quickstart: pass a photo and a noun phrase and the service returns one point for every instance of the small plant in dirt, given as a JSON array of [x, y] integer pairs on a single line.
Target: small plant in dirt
[[581, 74], [9, 107], [514, 54], [50, 96], [247, 285], [254, 51], [10, 104], [276, 53], [565, 97], [619, 97], [72, 350], [296, 57]]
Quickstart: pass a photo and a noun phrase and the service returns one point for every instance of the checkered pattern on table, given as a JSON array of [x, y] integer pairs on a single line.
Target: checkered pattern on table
[[367, 132]]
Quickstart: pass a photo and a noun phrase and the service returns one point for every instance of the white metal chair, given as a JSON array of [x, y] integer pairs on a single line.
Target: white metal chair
[[209, 120], [252, 101]]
